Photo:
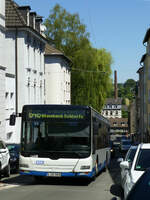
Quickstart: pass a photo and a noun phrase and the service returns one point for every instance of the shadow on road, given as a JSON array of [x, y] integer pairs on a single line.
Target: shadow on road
[[17, 179], [28, 180], [114, 171], [65, 181]]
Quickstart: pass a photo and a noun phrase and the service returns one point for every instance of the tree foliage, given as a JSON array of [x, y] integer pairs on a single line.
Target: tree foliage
[[66, 31], [91, 72], [124, 114], [127, 90]]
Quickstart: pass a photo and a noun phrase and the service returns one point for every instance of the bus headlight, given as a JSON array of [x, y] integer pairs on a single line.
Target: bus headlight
[[85, 167]]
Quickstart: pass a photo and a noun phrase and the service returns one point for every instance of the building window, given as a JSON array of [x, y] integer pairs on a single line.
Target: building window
[[41, 91], [123, 123], [34, 90], [111, 113], [12, 100], [116, 112], [9, 135], [106, 112], [114, 123], [7, 100]]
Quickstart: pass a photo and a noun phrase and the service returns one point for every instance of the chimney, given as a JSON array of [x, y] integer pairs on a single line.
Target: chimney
[[115, 82], [25, 10], [32, 19]]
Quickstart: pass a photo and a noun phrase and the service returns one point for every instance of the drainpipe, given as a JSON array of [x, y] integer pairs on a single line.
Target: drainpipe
[[16, 68]]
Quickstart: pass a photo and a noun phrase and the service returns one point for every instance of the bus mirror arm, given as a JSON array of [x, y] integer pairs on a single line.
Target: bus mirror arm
[[19, 115]]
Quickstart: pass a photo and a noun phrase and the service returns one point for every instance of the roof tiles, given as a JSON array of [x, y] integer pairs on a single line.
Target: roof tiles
[[13, 16]]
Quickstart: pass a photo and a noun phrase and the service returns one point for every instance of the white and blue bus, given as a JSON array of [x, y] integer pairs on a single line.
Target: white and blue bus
[[63, 141]]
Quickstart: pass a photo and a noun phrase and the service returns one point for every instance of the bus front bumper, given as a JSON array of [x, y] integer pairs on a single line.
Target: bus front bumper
[[58, 174]]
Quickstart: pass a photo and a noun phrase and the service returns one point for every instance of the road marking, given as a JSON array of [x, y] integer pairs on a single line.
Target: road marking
[[7, 186]]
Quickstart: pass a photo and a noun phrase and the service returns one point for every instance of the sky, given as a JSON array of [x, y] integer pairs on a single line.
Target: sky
[[119, 26]]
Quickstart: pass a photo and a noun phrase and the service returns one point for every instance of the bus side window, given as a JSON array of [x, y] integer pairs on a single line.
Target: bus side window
[[94, 144], [95, 126]]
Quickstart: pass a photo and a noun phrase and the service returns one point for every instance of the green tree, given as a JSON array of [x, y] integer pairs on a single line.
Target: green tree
[[91, 71], [124, 114], [66, 31]]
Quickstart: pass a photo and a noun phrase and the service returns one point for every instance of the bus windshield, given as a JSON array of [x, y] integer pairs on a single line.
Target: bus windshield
[[66, 138]]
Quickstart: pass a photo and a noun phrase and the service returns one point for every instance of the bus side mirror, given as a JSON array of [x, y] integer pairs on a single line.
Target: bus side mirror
[[12, 120]]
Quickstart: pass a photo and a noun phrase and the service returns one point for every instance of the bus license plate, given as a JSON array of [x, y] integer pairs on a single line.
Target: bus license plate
[[54, 174]]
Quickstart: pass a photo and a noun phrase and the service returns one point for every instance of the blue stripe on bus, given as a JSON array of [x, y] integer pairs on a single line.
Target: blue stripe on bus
[[63, 174]]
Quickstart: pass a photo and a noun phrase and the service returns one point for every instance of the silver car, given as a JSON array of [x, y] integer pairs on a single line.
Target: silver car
[[4, 160]]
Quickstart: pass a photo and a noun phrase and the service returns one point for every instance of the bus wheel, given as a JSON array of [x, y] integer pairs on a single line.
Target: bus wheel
[[107, 163], [96, 167]]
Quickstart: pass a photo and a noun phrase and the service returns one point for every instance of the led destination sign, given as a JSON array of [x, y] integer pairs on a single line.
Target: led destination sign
[[57, 116], [62, 114]]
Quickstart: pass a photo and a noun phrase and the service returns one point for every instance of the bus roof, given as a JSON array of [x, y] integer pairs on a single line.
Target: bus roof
[[37, 106]]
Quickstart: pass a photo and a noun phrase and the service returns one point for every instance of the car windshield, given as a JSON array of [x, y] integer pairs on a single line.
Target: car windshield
[[141, 190], [130, 155], [143, 160], [13, 147]]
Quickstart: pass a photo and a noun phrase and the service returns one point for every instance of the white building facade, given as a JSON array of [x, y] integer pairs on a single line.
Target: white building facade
[[25, 46], [27, 74], [57, 77], [2, 69], [112, 108]]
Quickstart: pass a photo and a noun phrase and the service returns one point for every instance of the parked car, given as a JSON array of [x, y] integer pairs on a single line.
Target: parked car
[[14, 150], [125, 145], [134, 171], [129, 157], [4, 160], [141, 189]]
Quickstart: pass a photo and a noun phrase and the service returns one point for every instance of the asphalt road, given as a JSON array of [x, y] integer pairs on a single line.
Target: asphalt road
[[104, 187]]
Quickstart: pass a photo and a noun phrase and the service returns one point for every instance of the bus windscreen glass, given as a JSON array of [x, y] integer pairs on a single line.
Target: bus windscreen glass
[[58, 133]]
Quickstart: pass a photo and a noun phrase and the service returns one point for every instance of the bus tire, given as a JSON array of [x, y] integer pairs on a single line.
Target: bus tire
[[106, 164], [96, 168]]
